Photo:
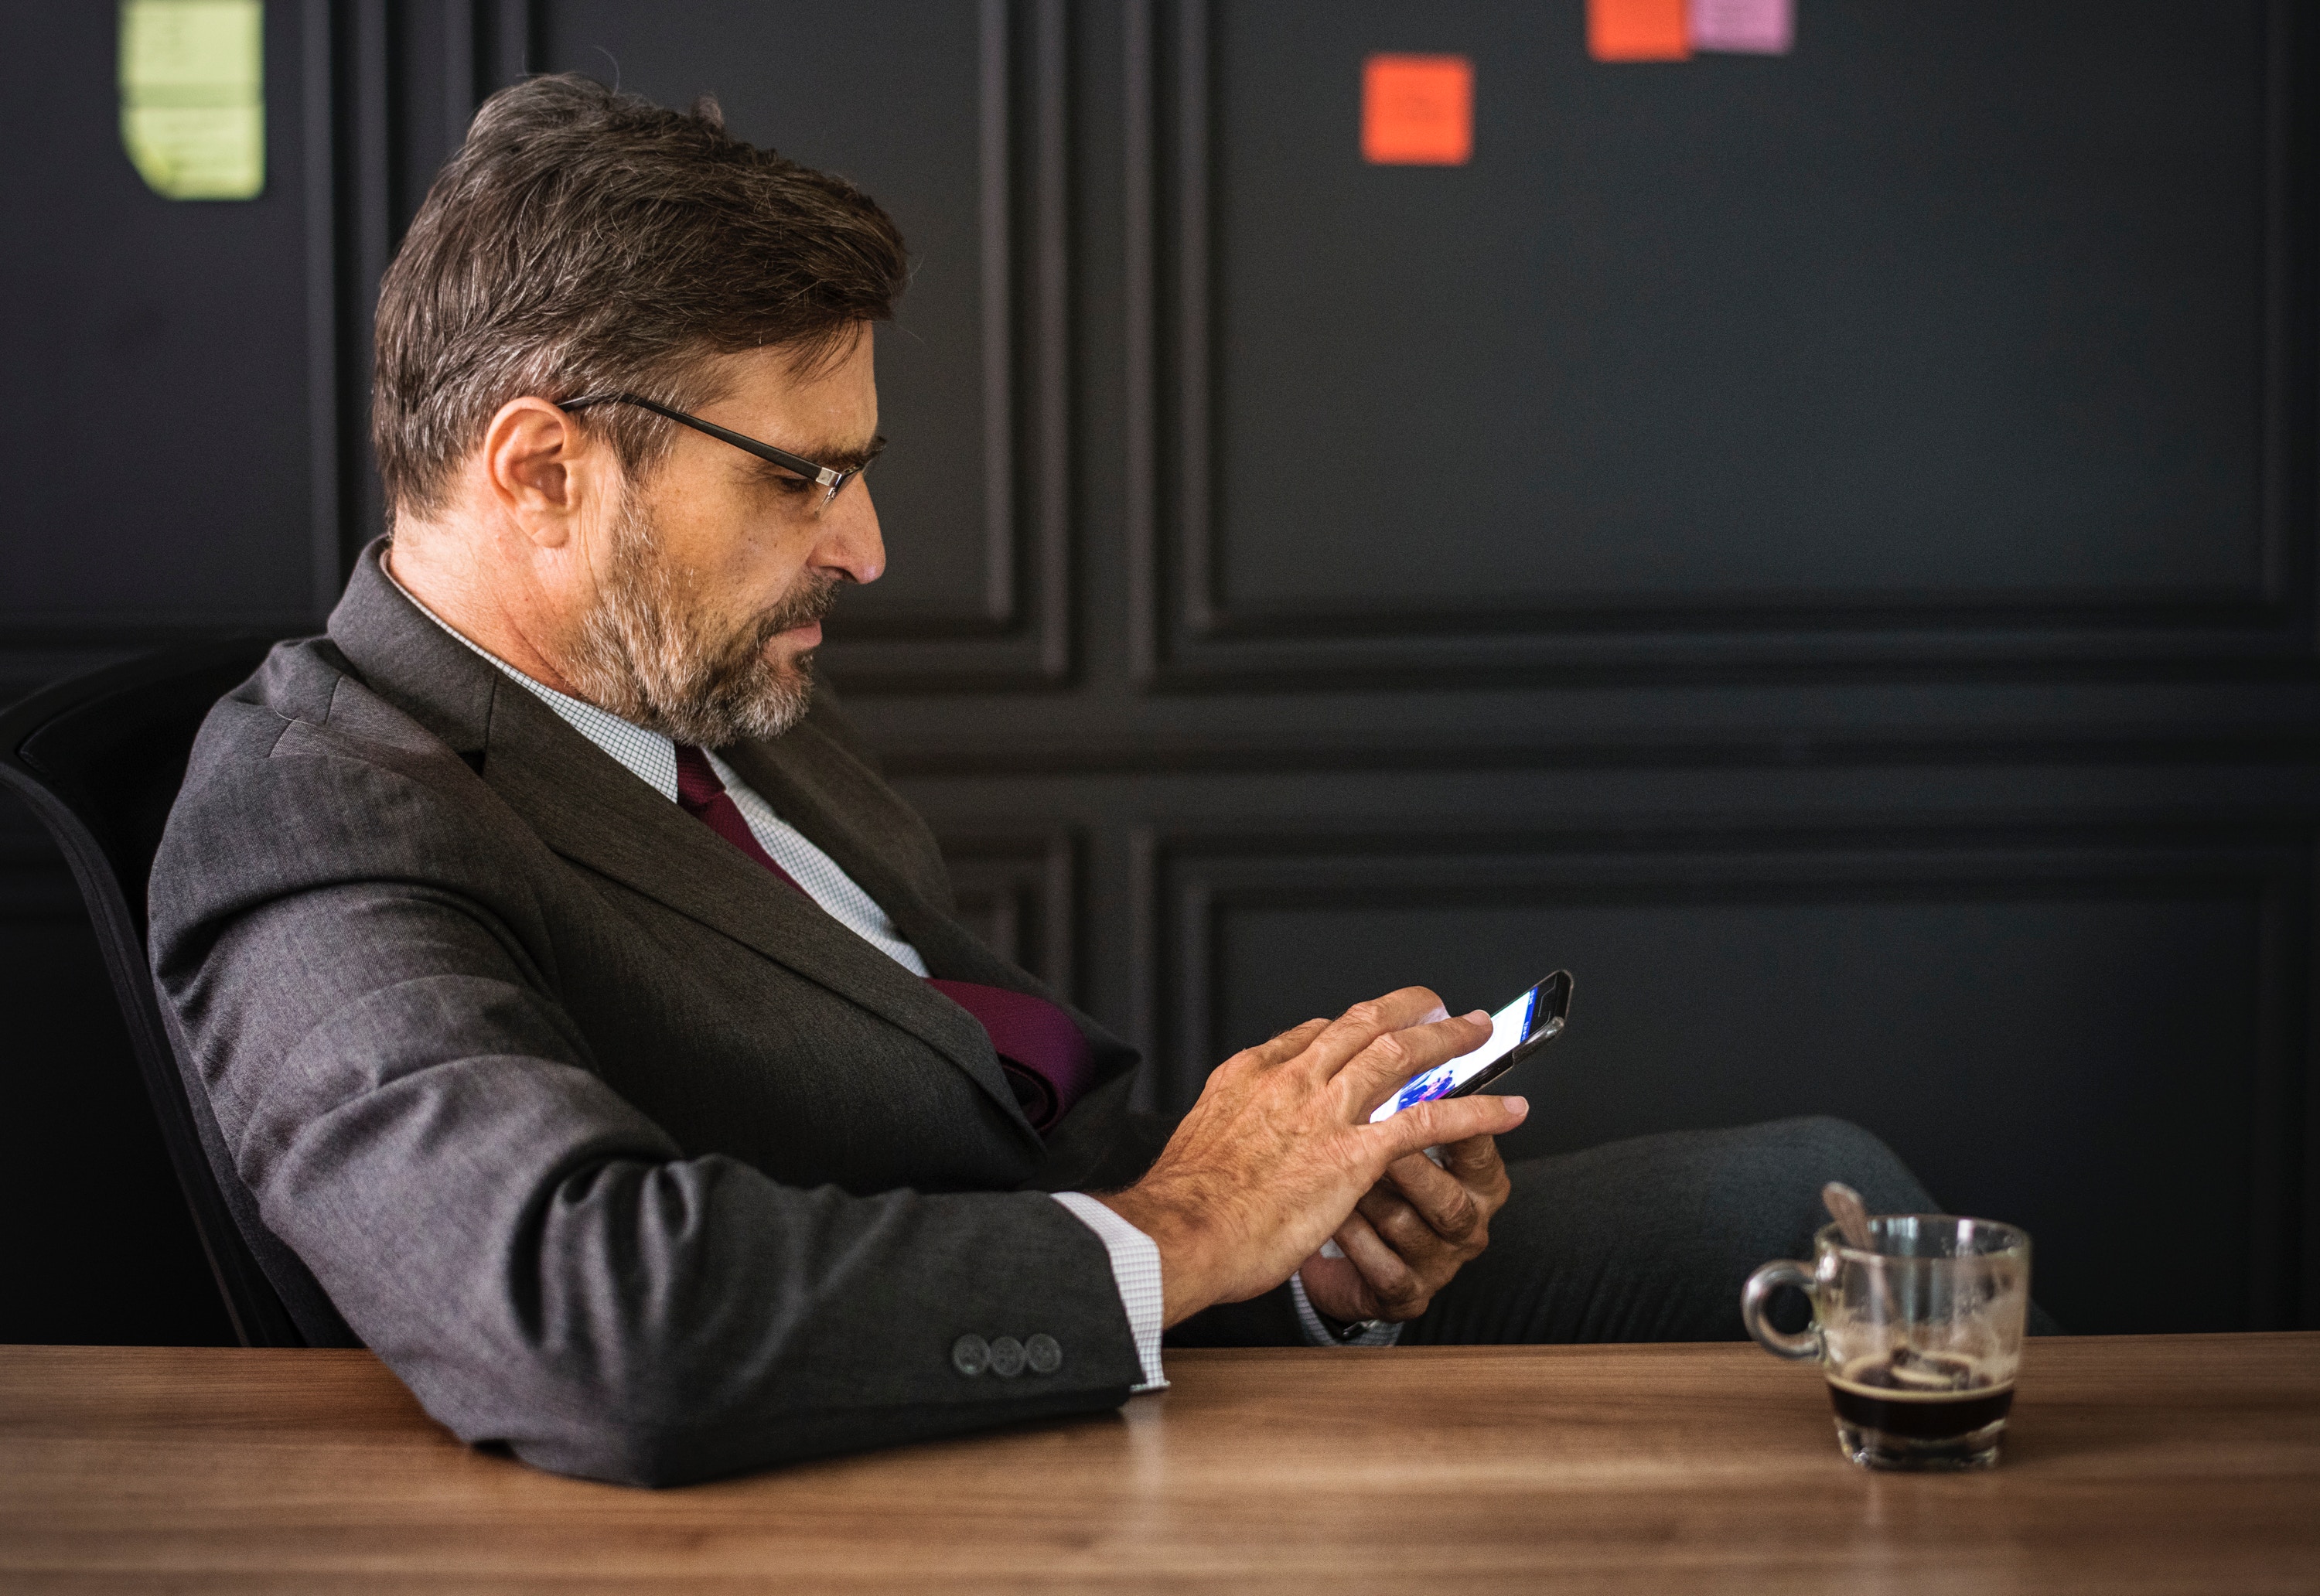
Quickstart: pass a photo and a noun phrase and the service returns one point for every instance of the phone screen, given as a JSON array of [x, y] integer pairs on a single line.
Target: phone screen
[[1508, 1027]]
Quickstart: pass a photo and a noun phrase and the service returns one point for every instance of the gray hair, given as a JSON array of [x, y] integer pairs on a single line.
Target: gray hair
[[586, 239]]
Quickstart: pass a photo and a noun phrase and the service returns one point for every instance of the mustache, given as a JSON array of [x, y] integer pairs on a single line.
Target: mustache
[[809, 603]]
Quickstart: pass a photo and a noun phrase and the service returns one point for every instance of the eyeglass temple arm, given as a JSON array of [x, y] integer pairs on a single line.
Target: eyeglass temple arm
[[825, 475]]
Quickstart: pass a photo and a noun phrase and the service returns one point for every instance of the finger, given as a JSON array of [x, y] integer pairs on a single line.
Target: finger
[[1336, 1288], [1288, 1044], [1365, 1022], [1389, 1278], [1386, 1208], [1442, 1198], [1443, 1121], [1476, 1161], [1381, 1067], [1473, 1164], [1402, 1228]]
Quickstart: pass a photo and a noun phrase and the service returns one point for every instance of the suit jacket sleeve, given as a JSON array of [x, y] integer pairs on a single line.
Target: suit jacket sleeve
[[372, 1009]]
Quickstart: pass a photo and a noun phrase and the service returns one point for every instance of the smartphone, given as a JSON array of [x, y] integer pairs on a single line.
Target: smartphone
[[1517, 1031]]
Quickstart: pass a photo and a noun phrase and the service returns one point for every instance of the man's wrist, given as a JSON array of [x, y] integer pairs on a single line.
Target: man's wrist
[[1348, 1329], [1322, 1331], [1184, 1283], [1135, 1273]]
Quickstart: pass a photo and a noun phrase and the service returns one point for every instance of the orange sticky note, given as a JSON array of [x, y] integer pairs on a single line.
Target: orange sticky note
[[1418, 111], [1638, 31]]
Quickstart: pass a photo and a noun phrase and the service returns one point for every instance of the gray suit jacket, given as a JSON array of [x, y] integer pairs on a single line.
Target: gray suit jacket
[[619, 1152]]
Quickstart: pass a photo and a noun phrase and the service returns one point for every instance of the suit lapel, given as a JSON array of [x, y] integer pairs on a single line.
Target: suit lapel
[[789, 774], [588, 807], [783, 774]]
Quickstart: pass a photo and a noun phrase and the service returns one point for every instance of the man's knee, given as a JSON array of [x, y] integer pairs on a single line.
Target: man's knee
[[1827, 1139]]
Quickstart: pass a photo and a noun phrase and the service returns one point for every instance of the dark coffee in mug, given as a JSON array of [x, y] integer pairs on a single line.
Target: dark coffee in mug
[[1919, 1396]]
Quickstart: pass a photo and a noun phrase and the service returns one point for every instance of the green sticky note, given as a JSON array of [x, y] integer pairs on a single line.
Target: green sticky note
[[193, 95]]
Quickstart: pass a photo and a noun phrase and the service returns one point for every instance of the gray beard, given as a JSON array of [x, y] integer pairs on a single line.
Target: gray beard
[[646, 656]]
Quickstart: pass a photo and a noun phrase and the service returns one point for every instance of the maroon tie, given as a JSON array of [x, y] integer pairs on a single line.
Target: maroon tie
[[1048, 1060], [702, 797]]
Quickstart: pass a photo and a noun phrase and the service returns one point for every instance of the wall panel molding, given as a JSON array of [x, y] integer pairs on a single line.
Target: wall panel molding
[[357, 138], [1190, 881], [1184, 633], [37, 644], [1016, 633], [1020, 892]]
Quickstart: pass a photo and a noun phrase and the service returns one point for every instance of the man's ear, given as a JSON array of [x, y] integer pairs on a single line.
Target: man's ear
[[542, 470]]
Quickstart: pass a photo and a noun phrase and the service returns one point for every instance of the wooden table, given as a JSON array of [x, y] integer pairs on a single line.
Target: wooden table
[[2135, 1464]]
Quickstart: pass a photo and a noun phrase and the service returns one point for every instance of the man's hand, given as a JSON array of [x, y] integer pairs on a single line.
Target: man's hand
[[1411, 1233], [1279, 1148]]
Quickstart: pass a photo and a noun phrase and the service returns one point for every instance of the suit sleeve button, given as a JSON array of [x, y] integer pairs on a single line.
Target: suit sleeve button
[[1007, 1357], [1044, 1354], [971, 1355]]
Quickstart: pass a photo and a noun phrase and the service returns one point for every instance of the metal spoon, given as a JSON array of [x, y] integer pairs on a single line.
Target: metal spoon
[[1851, 1217], [1845, 1207]]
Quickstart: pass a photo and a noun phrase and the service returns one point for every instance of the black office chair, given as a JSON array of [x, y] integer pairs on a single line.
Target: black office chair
[[100, 758]]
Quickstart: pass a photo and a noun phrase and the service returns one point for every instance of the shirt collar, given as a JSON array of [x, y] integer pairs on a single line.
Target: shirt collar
[[649, 756]]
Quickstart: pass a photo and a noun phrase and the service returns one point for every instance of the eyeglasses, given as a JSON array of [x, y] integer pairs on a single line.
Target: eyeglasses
[[828, 477]]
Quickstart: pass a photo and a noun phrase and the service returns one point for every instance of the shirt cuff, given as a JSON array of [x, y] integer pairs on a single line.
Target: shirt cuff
[[1318, 1334], [1136, 1271]]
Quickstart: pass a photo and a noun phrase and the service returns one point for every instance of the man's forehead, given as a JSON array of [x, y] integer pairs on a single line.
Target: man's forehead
[[833, 404]]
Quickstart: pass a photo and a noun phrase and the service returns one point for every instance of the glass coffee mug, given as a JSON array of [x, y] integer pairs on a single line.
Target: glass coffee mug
[[1919, 1337]]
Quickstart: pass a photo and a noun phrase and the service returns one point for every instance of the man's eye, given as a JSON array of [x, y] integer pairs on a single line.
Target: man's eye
[[787, 484]]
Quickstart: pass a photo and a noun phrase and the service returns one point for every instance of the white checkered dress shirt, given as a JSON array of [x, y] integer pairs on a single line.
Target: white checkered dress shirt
[[651, 758]]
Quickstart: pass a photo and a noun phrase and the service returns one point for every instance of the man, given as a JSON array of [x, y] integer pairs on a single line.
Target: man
[[585, 1023]]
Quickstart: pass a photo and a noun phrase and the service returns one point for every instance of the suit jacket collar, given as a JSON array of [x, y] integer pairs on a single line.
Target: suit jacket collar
[[588, 808], [783, 772], [792, 773]]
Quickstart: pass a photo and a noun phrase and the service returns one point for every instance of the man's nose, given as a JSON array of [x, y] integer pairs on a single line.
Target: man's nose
[[851, 545]]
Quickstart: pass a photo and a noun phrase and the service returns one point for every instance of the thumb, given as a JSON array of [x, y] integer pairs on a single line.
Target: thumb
[[1448, 1121]]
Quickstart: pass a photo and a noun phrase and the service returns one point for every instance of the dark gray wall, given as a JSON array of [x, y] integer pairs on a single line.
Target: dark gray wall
[[1823, 546]]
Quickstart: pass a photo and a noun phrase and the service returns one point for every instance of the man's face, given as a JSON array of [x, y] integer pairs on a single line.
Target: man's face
[[713, 572]]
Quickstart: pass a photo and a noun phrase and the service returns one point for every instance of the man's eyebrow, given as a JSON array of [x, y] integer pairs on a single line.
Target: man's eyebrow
[[838, 456], [851, 459]]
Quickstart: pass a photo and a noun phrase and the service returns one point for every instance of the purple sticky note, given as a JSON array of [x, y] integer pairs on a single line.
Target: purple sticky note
[[1744, 27]]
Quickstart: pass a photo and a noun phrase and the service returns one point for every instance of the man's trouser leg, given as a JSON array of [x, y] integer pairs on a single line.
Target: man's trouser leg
[[1651, 1239]]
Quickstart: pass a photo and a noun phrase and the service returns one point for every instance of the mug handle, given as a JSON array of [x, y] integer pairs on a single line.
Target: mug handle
[[1805, 1343]]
